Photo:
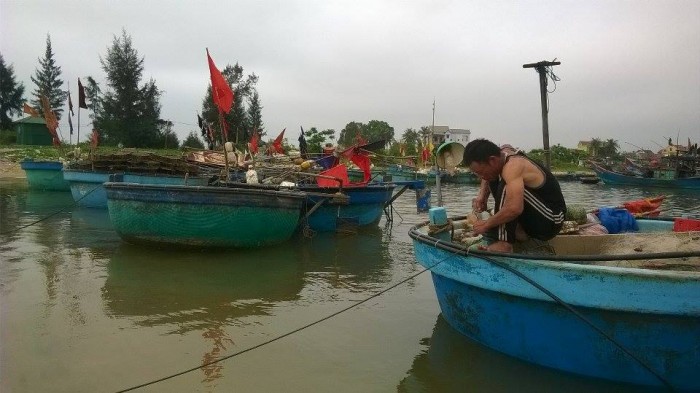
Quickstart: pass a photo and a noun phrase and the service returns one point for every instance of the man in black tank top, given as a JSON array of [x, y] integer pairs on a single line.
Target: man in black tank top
[[529, 202]]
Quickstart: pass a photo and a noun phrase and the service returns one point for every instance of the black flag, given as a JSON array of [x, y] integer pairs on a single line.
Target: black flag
[[81, 96], [302, 144]]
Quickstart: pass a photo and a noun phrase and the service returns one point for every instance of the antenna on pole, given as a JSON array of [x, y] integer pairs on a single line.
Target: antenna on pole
[[544, 68]]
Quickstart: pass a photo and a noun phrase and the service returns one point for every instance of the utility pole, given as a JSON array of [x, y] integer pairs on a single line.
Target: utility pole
[[541, 68]]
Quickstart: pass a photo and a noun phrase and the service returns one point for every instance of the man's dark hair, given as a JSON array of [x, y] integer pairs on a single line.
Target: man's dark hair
[[480, 150]]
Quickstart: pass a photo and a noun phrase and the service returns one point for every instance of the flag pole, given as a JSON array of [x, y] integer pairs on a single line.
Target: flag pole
[[70, 136], [224, 139], [77, 140]]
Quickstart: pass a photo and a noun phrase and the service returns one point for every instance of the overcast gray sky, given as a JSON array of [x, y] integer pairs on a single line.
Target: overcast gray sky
[[630, 69]]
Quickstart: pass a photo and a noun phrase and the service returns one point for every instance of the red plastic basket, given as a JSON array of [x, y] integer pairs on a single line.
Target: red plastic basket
[[686, 225]]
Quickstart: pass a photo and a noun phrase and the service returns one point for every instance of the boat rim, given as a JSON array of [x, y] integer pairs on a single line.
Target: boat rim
[[213, 189], [460, 249]]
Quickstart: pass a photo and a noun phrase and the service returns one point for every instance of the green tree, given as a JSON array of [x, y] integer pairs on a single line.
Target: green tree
[[47, 79], [167, 138], [130, 113], [193, 141], [348, 135], [424, 133], [237, 122], [411, 139], [594, 147], [93, 96], [254, 113], [377, 130], [609, 148], [11, 93], [315, 139]]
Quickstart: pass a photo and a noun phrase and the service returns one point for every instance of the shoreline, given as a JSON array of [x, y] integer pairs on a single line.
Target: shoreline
[[11, 170]]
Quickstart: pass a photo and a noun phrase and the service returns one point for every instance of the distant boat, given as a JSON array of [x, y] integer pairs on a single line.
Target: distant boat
[[590, 179], [667, 178], [87, 190], [632, 318], [45, 175], [461, 177], [407, 173], [203, 216]]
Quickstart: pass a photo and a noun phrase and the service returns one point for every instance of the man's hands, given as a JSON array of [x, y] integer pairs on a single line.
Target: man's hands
[[480, 227], [479, 204]]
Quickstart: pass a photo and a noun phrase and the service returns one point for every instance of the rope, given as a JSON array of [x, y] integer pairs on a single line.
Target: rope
[[434, 229], [50, 215], [567, 307], [288, 333], [580, 316]]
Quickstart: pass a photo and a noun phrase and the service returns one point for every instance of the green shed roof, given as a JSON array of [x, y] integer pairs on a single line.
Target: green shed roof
[[31, 120]]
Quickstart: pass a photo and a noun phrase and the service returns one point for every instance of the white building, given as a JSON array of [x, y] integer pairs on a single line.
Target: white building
[[442, 134]]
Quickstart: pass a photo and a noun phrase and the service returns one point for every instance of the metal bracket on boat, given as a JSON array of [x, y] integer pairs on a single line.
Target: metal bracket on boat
[[405, 185]]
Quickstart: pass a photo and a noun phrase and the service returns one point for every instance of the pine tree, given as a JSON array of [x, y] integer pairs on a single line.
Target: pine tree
[[255, 114], [237, 121], [47, 79], [11, 92], [129, 114]]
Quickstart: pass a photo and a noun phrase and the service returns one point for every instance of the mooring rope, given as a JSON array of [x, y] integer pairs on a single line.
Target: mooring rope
[[50, 215], [567, 306], [377, 294]]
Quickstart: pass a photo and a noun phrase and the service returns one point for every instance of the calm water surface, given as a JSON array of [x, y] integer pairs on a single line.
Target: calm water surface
[[81, 311]]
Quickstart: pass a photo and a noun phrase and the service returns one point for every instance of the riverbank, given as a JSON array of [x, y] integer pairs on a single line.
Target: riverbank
[[10, 169]]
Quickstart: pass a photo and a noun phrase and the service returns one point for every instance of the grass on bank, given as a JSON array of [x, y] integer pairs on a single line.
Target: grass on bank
[[17, 153]]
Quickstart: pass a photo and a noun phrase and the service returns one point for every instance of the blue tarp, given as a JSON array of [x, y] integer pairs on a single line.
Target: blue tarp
[[617, 220]]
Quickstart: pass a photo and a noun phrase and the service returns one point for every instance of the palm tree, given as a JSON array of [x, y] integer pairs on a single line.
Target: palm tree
[[610, 147], [595, 147]]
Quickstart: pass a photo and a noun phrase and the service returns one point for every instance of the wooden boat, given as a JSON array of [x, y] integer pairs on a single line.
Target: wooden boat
[[461, 177], [87, 190], [589, 179], [330, 209], [659, 178], [45, 175], [202, 216], [406, 173], [631, 317], [364, 206]]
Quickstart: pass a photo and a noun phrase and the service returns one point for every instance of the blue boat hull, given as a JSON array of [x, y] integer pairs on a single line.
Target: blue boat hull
[[364, 208], [655, 315], [45, 175], [609, 177], [87, 190]]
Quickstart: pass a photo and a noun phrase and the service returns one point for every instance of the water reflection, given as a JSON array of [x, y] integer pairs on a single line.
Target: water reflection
[[453, 363], [191, 291], [351, 261], [91, 230]]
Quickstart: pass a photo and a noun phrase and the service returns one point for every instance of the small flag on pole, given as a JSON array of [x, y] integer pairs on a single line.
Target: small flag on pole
[[70, 107], [81, 96], [277, 143], [30, 111], [303, 147], [220, 90], [254, 142], [50, 118]]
